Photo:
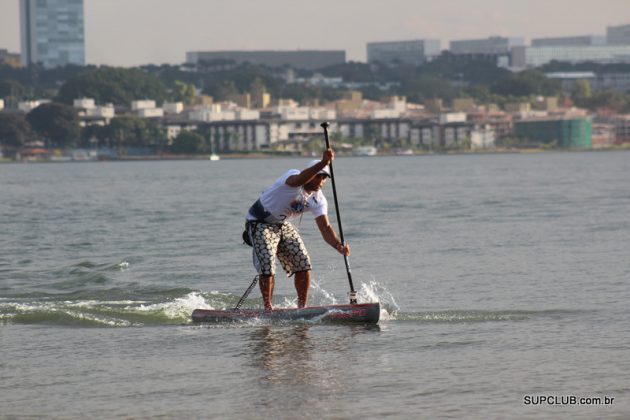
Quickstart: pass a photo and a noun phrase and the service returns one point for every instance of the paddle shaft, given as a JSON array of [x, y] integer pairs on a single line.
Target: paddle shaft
[[353, 299]]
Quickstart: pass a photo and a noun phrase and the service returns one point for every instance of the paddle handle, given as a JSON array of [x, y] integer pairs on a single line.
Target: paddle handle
[[353, 293]]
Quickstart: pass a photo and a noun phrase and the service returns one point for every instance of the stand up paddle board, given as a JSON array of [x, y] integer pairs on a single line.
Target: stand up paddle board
[[366, 313]]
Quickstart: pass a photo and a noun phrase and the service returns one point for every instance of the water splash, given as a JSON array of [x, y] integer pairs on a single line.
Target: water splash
[[176, 309], [287, 302], [123, 265], [322, 295], [373, 291]]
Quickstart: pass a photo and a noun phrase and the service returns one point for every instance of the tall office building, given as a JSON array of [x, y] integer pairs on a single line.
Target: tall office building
[[52, 32]]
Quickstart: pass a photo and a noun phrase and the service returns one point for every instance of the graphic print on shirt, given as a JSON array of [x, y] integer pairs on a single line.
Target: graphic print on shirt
[[299, 204], [302, 203]]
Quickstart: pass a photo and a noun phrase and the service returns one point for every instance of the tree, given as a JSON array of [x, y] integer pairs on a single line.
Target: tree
[[481, 94], [184, 92], [134, 132], [116, 85], [93, 135], [582, 92], [352, 72], [14, 130], [315, 146], [472, 70], [57, 123], [614, 100], [226, 90], [11, 91], [526, 83], [38, 81], [187, 142], [582, 89], [423, 87]]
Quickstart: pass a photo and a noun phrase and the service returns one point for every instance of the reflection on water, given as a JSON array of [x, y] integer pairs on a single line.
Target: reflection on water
[[301, 366], [284, 355]]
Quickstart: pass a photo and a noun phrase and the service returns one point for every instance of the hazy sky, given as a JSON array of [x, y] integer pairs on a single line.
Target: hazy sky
[[132, 32]]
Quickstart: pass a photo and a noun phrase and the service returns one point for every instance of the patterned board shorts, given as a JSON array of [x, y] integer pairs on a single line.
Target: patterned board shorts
[[283, 240]]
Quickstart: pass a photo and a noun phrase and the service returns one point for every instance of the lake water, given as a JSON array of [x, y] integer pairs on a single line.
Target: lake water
[[504, 278]]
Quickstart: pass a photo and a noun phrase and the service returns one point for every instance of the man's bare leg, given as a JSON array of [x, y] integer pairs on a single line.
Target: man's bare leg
[[302, 283], [266, 289]]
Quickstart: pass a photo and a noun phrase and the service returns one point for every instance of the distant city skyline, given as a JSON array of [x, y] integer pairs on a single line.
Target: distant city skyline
[[135, 32]]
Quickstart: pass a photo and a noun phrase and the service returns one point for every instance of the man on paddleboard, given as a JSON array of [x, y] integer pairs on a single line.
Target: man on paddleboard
[[271, 233]]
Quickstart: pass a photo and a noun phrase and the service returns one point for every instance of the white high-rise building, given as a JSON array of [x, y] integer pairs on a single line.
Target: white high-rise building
[[52, 32]]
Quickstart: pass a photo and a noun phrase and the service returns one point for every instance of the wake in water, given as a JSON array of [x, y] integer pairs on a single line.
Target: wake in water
[[113, 313], [90, 300], [117, 308], [168, 310]]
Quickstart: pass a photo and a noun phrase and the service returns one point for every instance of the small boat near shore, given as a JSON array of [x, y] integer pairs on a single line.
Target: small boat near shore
[[365, 151]]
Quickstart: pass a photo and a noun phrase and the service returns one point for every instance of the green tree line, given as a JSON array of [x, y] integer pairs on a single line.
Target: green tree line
[[446, 77], [57, 126]]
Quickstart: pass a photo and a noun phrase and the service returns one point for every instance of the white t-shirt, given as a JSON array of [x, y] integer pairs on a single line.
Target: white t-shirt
[[284, 202]]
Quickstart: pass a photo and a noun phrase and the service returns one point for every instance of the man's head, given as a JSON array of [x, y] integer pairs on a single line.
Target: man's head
[[318, 180]]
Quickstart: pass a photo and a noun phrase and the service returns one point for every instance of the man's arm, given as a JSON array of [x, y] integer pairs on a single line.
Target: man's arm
[[308, 173], [330, 236]]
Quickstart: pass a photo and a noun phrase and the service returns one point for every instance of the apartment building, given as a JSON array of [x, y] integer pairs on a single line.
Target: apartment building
[[304, 59], [414, 52], [561, 132], [494, 45], [580, 40], [527, 57]]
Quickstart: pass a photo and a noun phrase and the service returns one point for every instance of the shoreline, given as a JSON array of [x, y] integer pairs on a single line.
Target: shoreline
[[271, 155]]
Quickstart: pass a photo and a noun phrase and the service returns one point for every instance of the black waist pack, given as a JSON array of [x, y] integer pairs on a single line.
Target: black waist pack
[[246, 239]]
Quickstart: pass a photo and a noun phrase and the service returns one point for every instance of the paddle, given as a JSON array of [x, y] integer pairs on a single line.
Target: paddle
[[353, 293]]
